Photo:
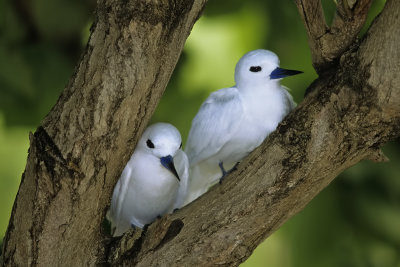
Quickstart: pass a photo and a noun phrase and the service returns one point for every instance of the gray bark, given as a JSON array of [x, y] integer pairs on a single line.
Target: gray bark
[[80, 148]]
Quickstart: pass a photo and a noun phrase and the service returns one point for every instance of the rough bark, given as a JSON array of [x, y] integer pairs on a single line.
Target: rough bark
[[76, 155], [78, 151]]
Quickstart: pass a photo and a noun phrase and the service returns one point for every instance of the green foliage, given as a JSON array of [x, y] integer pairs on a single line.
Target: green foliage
[[13, 151], [40, 42], [354, 222]]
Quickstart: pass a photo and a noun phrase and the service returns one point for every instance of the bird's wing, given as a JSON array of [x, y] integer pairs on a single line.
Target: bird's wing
[[217, 120], [117, 201], [182, 166], [290, 104]]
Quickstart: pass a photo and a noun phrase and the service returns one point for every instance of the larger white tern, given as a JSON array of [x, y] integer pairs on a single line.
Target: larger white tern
[[154, 180], [234, 121]]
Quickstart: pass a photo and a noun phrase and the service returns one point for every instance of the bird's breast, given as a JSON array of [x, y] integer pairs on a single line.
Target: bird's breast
[[263, 112], [152, 192], [261, 115], [157, 181]]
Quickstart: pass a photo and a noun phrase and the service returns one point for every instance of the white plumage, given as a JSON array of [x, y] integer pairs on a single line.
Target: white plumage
[[234, 121], [150, 186]]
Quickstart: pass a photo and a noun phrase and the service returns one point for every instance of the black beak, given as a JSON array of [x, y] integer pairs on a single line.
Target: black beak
[[279, 73], [168, 163]]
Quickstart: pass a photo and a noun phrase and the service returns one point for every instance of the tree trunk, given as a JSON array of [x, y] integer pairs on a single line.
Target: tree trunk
[[78, 152], [76, 155]]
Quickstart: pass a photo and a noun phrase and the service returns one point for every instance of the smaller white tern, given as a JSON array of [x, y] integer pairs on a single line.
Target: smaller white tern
[[153, 182], [234, 121]]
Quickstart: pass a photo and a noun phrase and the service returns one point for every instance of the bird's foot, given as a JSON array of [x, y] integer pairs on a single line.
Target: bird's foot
[[224, 172]]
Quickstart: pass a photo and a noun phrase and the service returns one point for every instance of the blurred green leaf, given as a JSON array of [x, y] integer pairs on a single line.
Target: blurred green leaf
[[13, 153], [60, 19]]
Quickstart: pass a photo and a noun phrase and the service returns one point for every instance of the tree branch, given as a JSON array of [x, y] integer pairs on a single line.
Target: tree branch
[[346, 118], [313, 18], [327, 44]]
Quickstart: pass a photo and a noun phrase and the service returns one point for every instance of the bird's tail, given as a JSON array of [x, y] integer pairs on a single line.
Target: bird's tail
[[201, 178], [117, 228]]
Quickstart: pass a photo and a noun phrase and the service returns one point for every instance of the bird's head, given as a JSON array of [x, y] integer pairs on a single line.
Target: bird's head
[[163, 141], [260, 67]]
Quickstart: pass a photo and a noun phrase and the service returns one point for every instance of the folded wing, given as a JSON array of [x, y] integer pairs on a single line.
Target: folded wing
[[218, 118]]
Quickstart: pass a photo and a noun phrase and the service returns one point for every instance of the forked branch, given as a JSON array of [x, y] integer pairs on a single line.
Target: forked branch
[[327, 44]]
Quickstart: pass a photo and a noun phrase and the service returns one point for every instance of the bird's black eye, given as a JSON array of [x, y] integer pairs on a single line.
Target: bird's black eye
[[255, 68], [180, 146], [149, 143]]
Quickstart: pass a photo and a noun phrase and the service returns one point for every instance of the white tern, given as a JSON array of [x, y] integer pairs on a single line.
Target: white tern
[[234, 121], [153, 182]]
